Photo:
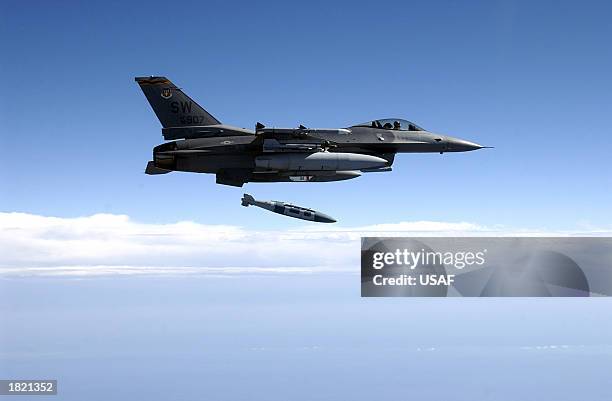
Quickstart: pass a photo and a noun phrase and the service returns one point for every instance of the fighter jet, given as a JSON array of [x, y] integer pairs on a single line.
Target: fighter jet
[[198, 142]]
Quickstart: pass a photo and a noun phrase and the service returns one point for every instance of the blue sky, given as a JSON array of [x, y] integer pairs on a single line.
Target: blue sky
[[531, 79], [123, 285]]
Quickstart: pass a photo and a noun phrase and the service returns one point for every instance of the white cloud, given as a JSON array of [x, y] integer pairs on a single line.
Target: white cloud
[[106, 244]]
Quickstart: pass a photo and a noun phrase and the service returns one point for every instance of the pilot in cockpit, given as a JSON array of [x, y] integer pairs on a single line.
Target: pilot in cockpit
[[396, 125]]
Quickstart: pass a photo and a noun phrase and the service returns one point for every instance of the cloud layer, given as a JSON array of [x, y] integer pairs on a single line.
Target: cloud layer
[[107, 244]]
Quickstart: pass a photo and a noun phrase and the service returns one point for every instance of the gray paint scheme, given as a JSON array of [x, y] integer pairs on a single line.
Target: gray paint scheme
[[202, 144], [287, 209]]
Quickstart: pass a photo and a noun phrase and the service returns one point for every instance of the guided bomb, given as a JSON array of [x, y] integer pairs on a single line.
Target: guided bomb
[[288, 209]]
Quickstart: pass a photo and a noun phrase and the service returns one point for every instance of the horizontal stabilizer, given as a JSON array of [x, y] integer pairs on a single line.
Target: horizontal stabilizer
[[152, 170], [184, 152]]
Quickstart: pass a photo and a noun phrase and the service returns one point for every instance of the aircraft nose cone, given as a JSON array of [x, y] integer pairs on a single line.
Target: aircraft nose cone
[[461, 145]]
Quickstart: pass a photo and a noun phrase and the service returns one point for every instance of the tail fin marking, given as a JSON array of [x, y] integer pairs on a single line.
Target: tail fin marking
[[171, 105]]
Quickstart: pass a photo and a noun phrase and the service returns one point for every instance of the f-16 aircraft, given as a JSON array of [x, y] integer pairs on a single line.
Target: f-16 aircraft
[[202, 144]]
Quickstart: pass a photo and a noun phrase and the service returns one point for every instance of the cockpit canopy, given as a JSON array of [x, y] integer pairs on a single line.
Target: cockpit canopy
[[391, 123]]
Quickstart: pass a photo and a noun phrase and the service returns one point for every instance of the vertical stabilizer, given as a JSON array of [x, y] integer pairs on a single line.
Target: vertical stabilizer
[[172, 106]]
